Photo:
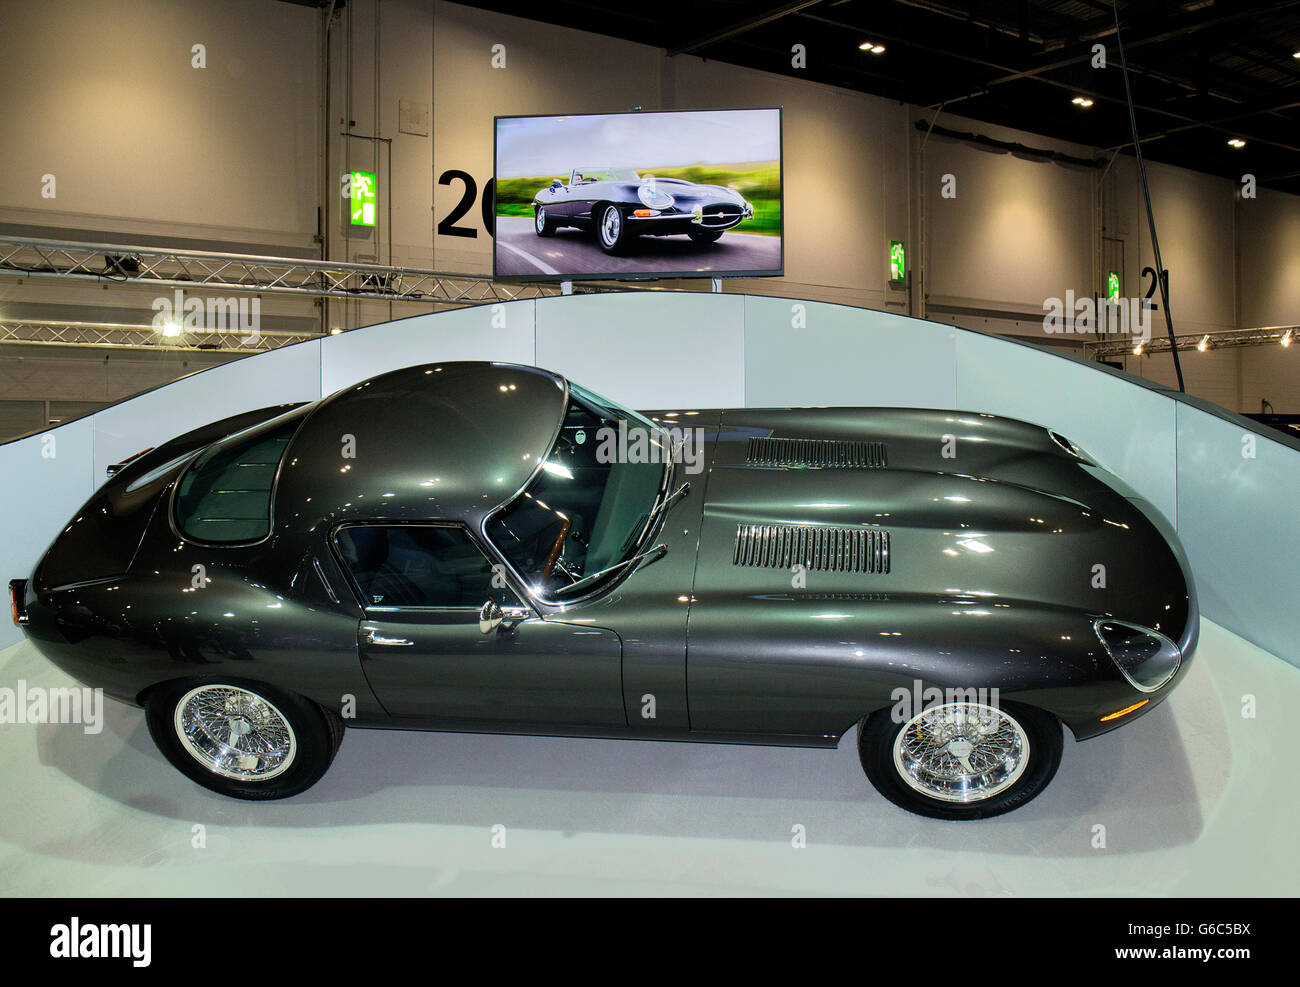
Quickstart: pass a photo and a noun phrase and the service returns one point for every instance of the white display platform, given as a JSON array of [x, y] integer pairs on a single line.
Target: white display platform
[[1195, 800]]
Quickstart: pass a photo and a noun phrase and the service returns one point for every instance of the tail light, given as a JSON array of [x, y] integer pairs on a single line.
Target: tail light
[[17, 600]]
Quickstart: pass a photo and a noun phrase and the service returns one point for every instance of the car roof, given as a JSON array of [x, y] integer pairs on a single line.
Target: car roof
[[452, 440]]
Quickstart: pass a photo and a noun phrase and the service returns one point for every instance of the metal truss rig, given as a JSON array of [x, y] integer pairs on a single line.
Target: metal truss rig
[[27, 257], [118, 334], [1222, 339]]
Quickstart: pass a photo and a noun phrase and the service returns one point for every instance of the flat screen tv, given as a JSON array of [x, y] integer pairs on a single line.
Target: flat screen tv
[[673, 193]]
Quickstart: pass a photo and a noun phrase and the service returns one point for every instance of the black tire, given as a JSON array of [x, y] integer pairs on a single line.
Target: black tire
[[876, 736], [542, 223], [705, 236], [611, 229], [317, 734]]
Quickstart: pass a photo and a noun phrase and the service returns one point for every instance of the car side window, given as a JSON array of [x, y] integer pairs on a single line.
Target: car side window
[[420, 565]]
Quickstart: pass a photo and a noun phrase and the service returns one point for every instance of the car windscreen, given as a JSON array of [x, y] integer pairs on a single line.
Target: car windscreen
[[588, 506], [607, 175]]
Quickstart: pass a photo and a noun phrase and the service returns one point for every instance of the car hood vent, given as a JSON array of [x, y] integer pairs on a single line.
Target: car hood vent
[[821, 548], [817, 453]]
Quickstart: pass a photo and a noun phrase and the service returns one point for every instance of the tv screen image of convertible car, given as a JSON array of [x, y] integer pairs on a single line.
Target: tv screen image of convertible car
[[498, 549], [639, 195]]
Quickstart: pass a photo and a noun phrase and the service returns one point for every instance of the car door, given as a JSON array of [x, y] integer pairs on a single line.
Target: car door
[[428, 657]]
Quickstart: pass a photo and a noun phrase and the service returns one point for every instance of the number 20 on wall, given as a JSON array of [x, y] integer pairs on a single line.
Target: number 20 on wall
[[447, 225]]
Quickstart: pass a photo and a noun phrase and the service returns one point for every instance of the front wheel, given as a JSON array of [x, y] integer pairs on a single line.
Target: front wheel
[[960, 760], [611, 230], [242, 739]]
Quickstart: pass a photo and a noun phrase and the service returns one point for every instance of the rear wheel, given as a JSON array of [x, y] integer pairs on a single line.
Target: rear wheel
[[544, 225], [242, 739], [961, 760]]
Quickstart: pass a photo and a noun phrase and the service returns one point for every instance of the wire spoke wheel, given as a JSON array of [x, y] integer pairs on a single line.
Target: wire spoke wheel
[[235, 733], [541, 218], [961, 752]]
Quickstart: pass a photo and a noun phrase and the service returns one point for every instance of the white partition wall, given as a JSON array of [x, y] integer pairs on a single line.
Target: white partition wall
[[1236, 519], [648, 349], [680, 349], [814, 353]]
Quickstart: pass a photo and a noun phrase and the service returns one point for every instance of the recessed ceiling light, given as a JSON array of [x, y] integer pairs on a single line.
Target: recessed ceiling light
[[872, 47], [1083, 101], [1236, 142]]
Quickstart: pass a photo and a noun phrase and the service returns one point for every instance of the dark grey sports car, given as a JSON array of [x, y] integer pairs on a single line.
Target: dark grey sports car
[[618, 204], [491, 548]]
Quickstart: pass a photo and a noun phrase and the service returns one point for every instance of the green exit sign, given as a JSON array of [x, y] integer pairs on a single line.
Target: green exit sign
[[1112, 286], [363, 198], [897, 261]]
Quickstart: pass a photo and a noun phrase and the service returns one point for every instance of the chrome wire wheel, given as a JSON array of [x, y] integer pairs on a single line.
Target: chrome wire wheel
[[611, 225], [540, 219], [235, 733], [961, 752]]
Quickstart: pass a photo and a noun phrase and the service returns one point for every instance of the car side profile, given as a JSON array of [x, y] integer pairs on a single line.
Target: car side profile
[[618, 205], [488, 547]]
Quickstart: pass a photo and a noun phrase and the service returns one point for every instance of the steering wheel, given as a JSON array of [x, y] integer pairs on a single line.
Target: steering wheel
[[556, 549]]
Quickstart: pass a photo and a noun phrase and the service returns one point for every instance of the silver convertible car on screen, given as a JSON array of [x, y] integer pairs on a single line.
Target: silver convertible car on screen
[[491, 548], [618, 205]]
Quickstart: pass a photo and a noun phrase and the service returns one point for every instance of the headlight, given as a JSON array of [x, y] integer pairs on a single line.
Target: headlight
[[655, 198], [1145, 657]]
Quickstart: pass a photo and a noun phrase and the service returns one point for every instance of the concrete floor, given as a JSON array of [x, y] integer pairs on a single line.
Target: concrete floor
[[1195, 800]]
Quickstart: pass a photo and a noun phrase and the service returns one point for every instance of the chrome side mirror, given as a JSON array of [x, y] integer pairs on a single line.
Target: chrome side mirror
[[490, 617]]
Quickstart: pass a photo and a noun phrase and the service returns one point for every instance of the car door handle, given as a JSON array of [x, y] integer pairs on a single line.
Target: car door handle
[[372, 636]]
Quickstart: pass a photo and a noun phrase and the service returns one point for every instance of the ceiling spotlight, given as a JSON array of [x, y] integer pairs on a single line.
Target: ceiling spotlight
[[1204, 344], [1083, 101], [1286, 338], [1236, 142], [872, 47], [170, 328], [1295, 54], [1137, 350]]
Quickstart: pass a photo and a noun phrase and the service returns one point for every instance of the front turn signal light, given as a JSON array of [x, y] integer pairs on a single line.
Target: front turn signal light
[[1125, 711]]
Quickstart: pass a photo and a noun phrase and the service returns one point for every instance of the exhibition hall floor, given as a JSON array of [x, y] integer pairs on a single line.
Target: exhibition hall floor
[[1195, 799]]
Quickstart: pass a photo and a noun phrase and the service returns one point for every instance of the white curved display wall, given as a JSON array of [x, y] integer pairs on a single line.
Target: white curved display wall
[[1228, 489]]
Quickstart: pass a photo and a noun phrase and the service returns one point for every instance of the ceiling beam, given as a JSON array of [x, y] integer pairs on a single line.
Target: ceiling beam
[[743, 26]]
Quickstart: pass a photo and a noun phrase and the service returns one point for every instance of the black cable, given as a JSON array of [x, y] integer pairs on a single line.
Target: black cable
[[1146, 194]]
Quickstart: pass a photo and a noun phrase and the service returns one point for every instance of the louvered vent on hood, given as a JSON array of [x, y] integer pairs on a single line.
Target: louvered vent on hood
[[819, 548], [817, 453]]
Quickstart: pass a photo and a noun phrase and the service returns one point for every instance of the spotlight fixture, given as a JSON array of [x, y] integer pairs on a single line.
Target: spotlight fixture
[[1236, 142], [1137, 350], [1082, 101], [1295, 54], [1204, 344], [1286, 338], [871, 46], [170, 328]]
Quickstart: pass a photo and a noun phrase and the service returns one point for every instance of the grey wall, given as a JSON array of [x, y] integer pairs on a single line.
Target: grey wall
[[1230, 509]]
